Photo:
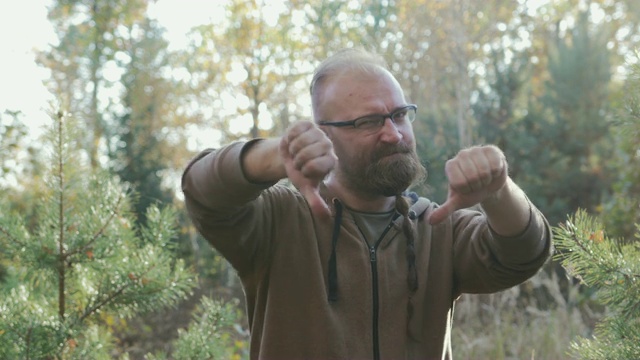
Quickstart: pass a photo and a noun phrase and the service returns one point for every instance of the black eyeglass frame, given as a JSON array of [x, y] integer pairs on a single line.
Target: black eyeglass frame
[[384, 117]]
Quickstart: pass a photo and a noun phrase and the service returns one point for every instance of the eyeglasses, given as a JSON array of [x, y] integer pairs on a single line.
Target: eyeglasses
[[400, 116]]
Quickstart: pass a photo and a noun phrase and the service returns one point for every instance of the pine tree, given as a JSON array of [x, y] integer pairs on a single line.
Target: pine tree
[[611, 265], [572, 144], [209, 335], [84, 263], [612, 268], [622, 210], [139, 150]]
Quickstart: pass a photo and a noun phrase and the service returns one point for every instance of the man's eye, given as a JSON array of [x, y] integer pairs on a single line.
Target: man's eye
[[400, 116], [368, 122]]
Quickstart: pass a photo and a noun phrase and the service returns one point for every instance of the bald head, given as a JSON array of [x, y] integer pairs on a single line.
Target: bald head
[[348, 61]]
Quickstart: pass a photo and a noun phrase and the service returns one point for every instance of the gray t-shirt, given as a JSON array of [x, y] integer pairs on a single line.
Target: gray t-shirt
[[372, 225]]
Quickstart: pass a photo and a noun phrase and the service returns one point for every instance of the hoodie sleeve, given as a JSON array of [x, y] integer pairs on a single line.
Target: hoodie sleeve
[[225, 207], [485, 261]]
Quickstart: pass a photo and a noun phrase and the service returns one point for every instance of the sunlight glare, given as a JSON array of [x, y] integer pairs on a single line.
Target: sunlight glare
[[21, 78], [180, 16]]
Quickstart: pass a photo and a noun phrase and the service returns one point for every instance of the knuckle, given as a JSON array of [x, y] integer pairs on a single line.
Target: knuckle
[[318, 167], [485, 175], [298, 164], [450, 164], [458, 184], [311, 169]]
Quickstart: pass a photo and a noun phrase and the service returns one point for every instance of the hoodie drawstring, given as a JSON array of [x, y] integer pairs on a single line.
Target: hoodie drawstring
[[402, 206], [333, 267]]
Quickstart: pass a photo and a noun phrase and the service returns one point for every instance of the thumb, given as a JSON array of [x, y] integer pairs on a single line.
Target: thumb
[[316, 203], [440, 214]]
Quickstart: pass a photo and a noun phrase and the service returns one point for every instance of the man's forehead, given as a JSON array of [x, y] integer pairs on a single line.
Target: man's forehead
[[360, 82], [347, 92]]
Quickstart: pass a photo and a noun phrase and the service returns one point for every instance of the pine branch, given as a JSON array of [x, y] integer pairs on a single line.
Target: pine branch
[[589, 255], [95, 236], [91, 310], [28, 342], [610, 267], [110, 298], [582, 252], [10, 237]]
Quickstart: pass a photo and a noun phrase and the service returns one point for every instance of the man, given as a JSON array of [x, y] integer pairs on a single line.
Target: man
[[351, 265]]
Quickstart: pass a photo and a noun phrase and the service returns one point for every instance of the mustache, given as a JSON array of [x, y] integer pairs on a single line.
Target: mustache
[[401, 148]]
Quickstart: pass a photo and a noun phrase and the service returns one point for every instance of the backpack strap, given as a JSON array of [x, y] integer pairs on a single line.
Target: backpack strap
[[418, 207]]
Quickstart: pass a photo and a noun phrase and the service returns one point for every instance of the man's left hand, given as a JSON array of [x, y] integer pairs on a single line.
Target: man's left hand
[[474, 176]]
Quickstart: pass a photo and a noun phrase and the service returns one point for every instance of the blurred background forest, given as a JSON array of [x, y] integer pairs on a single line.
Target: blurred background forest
[[547, 81]]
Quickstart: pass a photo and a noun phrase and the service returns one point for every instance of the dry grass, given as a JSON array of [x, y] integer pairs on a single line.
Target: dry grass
[[536, 320]]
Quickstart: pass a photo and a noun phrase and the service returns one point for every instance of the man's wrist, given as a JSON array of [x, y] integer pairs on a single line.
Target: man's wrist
[[261, 161], [495, 198], [508, 210]]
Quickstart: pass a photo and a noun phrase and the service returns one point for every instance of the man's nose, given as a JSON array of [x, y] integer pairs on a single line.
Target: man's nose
[[389, 131]]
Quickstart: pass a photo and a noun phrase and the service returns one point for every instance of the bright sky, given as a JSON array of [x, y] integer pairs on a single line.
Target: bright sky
[[24, 28]]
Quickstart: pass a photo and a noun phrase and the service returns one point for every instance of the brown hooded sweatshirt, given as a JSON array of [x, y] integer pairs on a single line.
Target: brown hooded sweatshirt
[[283, 255]]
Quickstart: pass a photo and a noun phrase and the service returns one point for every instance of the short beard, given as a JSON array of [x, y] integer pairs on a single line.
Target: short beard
[[386, 176]]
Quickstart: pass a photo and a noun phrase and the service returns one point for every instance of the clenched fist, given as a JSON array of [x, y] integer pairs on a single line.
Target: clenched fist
[[474, 175], [308, 157]]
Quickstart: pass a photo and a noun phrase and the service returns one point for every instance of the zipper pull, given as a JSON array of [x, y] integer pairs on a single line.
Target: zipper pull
[[372, 254]]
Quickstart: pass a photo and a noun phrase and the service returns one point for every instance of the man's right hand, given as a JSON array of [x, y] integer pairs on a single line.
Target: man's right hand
[[308, 158]]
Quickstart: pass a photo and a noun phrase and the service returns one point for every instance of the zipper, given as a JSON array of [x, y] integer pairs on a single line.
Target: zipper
[[373, 258], [374, 279]]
